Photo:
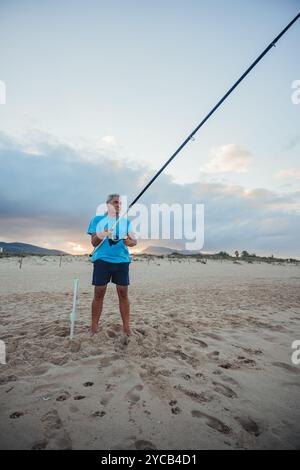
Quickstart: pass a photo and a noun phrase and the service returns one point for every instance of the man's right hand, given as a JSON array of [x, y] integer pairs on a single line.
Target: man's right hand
[[97, 238], [106, 233]]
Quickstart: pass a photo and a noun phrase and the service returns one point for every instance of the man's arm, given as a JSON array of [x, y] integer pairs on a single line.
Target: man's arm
[[97, 238], [131, 239]]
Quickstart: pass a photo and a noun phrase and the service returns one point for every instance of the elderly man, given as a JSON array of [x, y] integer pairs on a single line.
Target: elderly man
[[111, 260]]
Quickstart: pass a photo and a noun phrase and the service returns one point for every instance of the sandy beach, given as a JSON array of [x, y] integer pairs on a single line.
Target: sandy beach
[[208, 366]]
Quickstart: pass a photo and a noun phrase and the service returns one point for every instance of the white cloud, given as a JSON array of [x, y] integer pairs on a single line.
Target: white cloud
[[288, 174], [37, 142], [76, 247], [110, 140], [226, 158]]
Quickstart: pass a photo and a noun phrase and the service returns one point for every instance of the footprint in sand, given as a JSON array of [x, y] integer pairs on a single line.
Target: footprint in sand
[[212, 422], [79, 397], [75, 346], [41, 445], [12, 347], [198, 341], [57, 438], [104, 362], [287, 367], [124, 340], [133, 395], [224, 390], [98, 414], [116, 327], [174, 409], [227, 365], [186, 376], [241, 361], [111, 334], [51, 420], [16, 415], [62, 332], [199, 375], [64, 396], [73, 409], [214, 336], [164, 372], [60, 360], [88, 384], [39, 370], [141, 331], [248, 425], [213, 355], [173, 402], [144, 445], [270, 339], [45, 331], [106, 398], [195, 396], [246, 361], [109, 387], [229, 380], [95, 352]]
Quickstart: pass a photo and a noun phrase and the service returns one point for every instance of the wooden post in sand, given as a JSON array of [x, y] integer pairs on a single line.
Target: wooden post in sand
[[73, 313], [20, 262], [60, 261]]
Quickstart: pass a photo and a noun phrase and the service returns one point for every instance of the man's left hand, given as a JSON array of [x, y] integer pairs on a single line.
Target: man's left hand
[[130, 240]]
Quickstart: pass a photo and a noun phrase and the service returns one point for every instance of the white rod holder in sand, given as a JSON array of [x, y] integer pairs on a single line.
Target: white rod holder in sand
[[73, 313]]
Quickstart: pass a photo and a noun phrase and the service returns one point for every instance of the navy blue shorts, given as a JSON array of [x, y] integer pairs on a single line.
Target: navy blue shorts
[[104, 272]]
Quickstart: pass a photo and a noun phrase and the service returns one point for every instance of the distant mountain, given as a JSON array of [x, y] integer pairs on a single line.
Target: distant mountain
[[161, 250], [16, 247], [158, 250]]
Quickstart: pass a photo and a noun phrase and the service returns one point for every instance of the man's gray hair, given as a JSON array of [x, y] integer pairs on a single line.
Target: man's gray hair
[[111, 196]]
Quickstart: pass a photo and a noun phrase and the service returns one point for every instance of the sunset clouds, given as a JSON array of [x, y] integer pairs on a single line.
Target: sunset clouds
[[50, 198]]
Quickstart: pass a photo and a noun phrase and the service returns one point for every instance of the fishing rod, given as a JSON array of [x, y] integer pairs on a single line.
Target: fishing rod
[[211, 112]]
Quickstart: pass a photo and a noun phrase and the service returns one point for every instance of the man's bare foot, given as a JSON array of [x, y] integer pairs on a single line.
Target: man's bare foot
[[93, 331], [127, 331]]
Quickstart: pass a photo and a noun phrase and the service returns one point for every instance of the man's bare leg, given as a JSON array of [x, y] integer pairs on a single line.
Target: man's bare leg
[[97, 305], [124, 307]]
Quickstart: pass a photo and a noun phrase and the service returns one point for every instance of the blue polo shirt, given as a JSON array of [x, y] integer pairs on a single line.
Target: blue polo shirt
[[115, 253]]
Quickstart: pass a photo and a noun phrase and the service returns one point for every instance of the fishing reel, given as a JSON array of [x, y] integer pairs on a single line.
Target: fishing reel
[[113, 239]]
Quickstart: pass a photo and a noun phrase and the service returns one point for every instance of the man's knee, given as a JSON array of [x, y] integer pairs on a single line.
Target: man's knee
[[122, 292], [99, 292]]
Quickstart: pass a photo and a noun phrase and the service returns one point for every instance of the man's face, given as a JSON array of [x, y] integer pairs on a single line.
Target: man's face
[[114, 205]]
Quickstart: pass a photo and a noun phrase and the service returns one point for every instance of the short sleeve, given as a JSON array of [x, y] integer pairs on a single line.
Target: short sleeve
[[92, 227], [129, 226]]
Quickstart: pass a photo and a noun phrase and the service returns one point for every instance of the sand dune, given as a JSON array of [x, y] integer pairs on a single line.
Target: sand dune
[[208, 365]]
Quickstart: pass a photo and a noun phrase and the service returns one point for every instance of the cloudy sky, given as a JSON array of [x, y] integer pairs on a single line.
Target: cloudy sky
[[99, 94]]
